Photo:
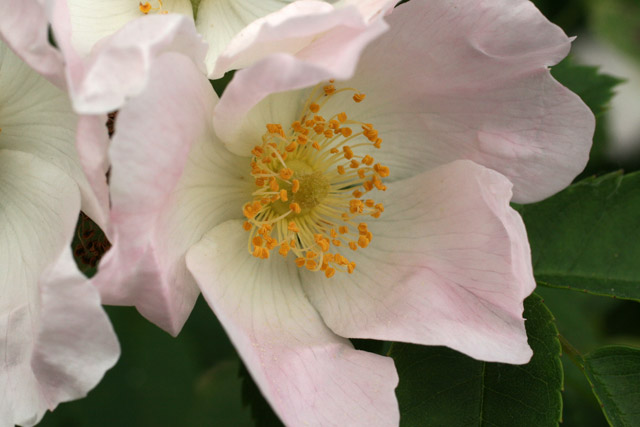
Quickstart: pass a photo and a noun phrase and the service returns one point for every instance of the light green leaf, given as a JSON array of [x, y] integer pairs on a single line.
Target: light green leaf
[[441, 387], [614, 373], [585, 237]]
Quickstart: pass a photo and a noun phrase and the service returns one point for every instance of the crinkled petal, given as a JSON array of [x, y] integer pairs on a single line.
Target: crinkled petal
[[36, 117], [281, 72], [309, 375], [92, 143], [449, 264], [450, 80], [55, 340], [315, 32], [148, 152], [120, 67], [93, 20], [24, 27]]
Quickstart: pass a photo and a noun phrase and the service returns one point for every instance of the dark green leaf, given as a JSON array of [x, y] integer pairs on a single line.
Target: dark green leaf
[[261, 412], [217, 399], [220, 84], [441, 387], [158, 379], [585, 237], [614, 373], [596, 90]]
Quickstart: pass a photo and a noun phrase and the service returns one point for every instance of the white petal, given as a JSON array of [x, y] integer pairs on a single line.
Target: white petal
[[93, 20], [309, 375], [36, 117], [219, 21], [449, 264], [55, 340]]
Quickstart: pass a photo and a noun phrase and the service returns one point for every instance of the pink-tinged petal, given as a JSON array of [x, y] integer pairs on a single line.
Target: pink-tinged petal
[[469, 80], [315, 32], [450, 80], [449, 264], [55, 340], [148, 152], [309, 375], [36, 117], [24, 26], [282, 72], [119, 67], [92, 143]]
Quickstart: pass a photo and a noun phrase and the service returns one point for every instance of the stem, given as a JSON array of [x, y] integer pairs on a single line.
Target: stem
[[573, 354]]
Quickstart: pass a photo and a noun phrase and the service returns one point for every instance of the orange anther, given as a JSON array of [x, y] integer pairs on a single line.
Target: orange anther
[[383, 171], [283, 195], [314, 107], [144, 8], [295, 207], [293, 227], [286, 173], [246, 225], [295, 186], [329, 89], [291, 147], [300, 262], [284, 249], [359, 97], [342, 117]]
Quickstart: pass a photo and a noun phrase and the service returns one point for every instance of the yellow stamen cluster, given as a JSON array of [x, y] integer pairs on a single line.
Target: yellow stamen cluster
[[311, 186], [146, 8]]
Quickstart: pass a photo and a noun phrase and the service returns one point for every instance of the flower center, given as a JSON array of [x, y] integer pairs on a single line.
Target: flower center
[[310, 186], [146, 8]]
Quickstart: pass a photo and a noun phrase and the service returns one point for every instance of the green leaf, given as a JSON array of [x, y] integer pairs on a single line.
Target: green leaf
[[261, 411], [585, 237], [217, 398], [220, 84], [439, 386], [595, 89], [614, 373]]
